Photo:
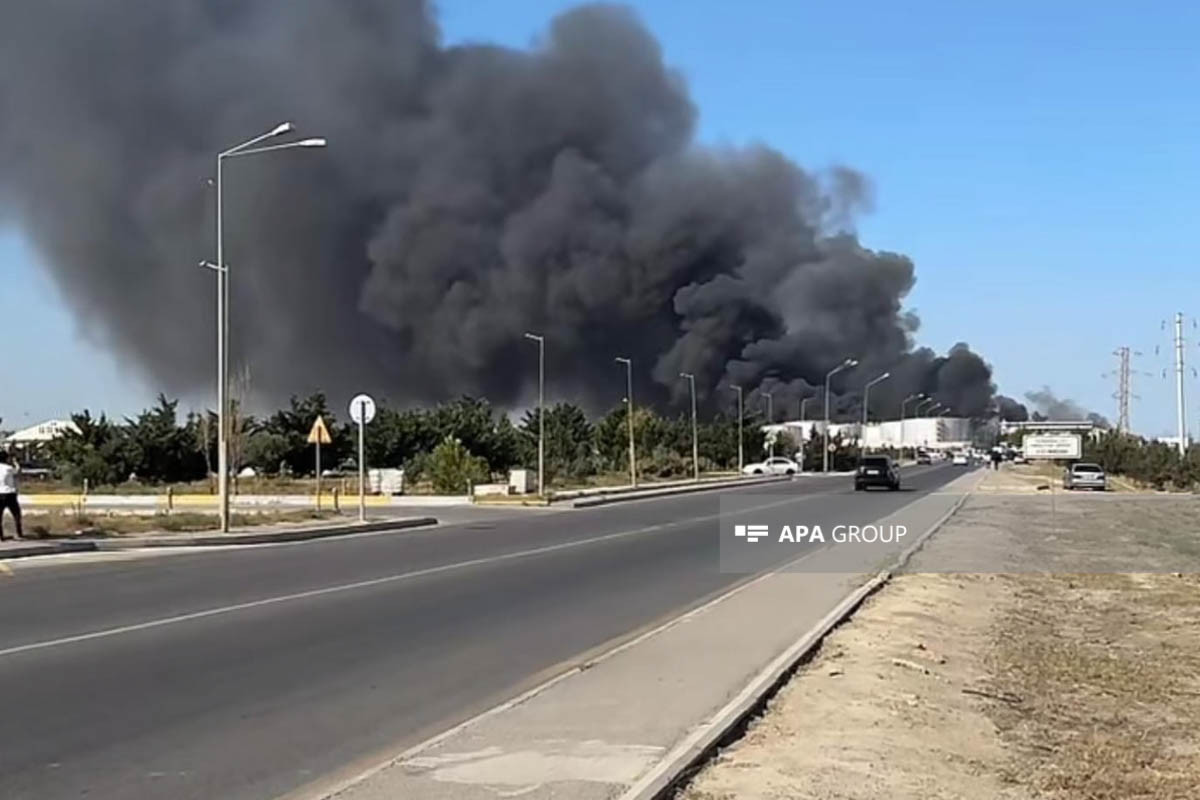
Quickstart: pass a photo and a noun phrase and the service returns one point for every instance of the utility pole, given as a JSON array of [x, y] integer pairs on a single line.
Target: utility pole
[[628, 362], [1123, 393], [1179, 407]]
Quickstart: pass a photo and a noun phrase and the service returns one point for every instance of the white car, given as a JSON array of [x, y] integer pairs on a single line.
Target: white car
[[772, 466], [960, 460]]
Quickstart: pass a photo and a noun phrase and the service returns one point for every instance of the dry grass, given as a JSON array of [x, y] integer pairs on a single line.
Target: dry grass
[[1110, 684], [59, 524], [1062, 662]]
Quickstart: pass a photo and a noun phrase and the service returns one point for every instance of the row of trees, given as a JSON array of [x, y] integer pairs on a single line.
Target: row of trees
[[1152, 463], [467, 438]]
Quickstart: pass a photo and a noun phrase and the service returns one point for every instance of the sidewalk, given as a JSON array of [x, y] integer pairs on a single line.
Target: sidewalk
[[607, 724], [261, 534]]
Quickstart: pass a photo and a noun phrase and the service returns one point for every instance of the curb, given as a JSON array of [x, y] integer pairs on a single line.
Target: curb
[[682, 762], [48, 549], [647, 494], [265, 537]]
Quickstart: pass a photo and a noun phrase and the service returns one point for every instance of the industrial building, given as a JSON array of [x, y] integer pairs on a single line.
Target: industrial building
[[935, 433]]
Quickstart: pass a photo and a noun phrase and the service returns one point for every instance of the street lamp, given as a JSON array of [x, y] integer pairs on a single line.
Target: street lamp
[[770, 421], [847, 364], [803, 404], [541, 342], [867, 394], [628, 362], [917, 410], [246, 148], [691, 379], [741, 458], [903, 403]]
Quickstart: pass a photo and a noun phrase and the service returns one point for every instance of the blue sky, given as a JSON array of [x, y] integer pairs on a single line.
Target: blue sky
[[1037, 160]]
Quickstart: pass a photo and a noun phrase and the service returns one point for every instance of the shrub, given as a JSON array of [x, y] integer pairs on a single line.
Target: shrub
[[451, 467]]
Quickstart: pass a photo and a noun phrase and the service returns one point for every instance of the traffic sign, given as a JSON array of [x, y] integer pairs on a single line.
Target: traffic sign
[[319, 433], [833, 448], [362, 409]]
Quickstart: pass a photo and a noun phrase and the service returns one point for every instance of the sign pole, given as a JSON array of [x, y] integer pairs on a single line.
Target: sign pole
[[318, 474], [362, 467]]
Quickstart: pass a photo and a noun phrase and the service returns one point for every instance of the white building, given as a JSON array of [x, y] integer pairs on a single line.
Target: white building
[[41, 433], [941, 433]]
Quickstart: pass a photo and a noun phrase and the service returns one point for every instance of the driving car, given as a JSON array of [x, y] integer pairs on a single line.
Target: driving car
[[876, 471], [772, 466], [1085, 476], [959, 459], [924, 458]]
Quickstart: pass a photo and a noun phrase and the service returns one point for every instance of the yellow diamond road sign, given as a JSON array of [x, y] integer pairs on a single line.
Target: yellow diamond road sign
[[319, 433]]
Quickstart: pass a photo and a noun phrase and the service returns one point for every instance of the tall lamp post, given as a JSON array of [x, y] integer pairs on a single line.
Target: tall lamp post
[[246, 148], [847, 364], [770, 422], [867, 394], [803, 405], [741, 455], [903, 403], [541, 342], [628, 362], [691, 379]]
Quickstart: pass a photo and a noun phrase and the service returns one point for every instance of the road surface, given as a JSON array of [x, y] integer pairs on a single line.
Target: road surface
[[247, 673]]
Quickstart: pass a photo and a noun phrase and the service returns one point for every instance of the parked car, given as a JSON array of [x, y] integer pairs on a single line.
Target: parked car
[[959, 459], [772, 466], [1085, 476], [876, 471]]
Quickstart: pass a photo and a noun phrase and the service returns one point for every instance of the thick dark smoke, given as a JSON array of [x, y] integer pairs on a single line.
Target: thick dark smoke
[[469, 194], [1050, 407]]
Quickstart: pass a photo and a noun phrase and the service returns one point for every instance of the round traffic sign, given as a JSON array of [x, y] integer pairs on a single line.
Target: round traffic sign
[[362, 409], [833, 448]]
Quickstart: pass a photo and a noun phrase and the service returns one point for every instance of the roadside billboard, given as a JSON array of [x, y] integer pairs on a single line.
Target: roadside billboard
[[1053, 445]]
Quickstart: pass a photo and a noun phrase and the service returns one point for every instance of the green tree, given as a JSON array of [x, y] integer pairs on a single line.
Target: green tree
[[158, 449], [570, 446], [451, 467], [95, 453]]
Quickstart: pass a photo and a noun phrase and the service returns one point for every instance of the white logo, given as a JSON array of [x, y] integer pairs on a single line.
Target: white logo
[[751, 533]]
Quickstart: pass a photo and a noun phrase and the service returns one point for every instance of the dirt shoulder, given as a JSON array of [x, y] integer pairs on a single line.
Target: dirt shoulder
[[1040, 647]]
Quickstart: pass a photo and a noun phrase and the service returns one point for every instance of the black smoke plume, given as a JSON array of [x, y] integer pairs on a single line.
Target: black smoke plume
[[469, 194], [1051, 407]]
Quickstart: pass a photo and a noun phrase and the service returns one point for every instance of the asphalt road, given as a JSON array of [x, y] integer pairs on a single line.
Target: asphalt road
[[246, 673]]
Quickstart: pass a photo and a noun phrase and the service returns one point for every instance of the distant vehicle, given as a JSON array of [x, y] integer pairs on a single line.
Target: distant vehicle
[[772, 466], [876, 471], [959, 459], [1019, 458], [924, 458], [1085, 476]]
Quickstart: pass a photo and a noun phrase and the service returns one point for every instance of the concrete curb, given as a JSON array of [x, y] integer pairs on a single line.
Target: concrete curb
[[682, 762], [52, 547], [646, 494], [40, 548], [263, 537]]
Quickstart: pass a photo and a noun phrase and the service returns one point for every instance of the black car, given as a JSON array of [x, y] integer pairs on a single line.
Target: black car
[[876, 471]]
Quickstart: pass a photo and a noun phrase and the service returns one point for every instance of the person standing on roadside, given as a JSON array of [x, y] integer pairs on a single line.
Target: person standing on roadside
[[8, 492]]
